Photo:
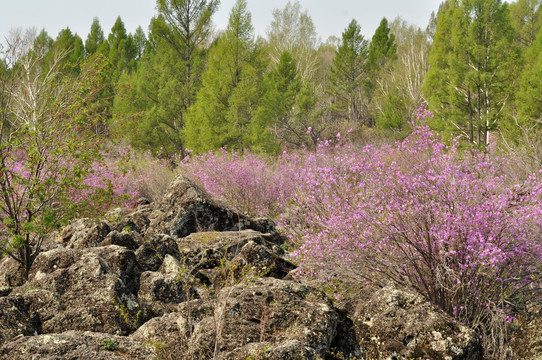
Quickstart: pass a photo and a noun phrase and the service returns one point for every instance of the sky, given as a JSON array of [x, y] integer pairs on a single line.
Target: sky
[[330, 17]]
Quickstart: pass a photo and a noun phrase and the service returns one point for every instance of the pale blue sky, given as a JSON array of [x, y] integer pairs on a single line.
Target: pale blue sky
[[330, 16]]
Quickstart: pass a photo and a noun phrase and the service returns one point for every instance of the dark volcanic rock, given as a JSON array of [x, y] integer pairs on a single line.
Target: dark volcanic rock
[[223, 256], [172, 284], [186, 209], [137, 220], [11, 275], [84, 233], [151, 253], [269, 311], [283, 319], [85, 290], [15, 318], [130, 240]]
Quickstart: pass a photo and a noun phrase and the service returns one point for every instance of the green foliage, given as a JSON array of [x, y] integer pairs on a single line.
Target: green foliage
[[121, 49], [149, 108], [526, 18], [381, 50], [152, 103], [347, 75], [525, 132], [472, 67], [43, 43], [109, 344], [530, 92], [45, 150], [140, 42], [382, 47], [288, 108], [392, 114], [436, 83], [281, 87], [72, 48], [230, 89], [184, 24], [95, 38]]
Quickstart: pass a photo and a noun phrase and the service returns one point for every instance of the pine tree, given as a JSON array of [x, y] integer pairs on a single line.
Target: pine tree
[[347, 75], [529, 98], [276, 112], [43, 43], [121, 50], [525, 132], [152, 103], [469, 81], [185, 25], [436, 86], [140, 42], [72, 44], [526, 17], [381, 50], [231, 87], [149, 106], [95, 38]]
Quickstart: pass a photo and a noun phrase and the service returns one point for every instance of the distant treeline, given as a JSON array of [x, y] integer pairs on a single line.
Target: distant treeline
[[184, 85]]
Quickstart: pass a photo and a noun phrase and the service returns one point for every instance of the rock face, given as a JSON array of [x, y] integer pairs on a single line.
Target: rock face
[[76, 345], [528, 345], [186, 209], [279, 317], [83, 289], [192, 278], [15, 318], [395, 323]]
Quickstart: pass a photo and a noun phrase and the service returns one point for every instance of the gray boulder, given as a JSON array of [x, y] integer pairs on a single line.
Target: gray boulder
[[84, 233], [394, 323], [187, 209], [265, 318], [218, 257], [266, 312], [85, 289], [76, 345]]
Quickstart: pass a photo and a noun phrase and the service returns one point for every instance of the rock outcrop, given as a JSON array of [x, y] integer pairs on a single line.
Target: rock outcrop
[[191, 277], [528, 344], [396, 323], [76, 345]]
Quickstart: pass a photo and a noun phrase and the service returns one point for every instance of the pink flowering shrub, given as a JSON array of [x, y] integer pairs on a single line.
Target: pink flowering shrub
[[135, 175], [120, 178], [254, 184], [455, 225]]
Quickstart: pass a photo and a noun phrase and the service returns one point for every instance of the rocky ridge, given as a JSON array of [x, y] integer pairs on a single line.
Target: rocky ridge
[[189, 277]]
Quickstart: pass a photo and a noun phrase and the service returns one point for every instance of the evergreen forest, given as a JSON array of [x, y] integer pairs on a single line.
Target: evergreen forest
[[183, 84]]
